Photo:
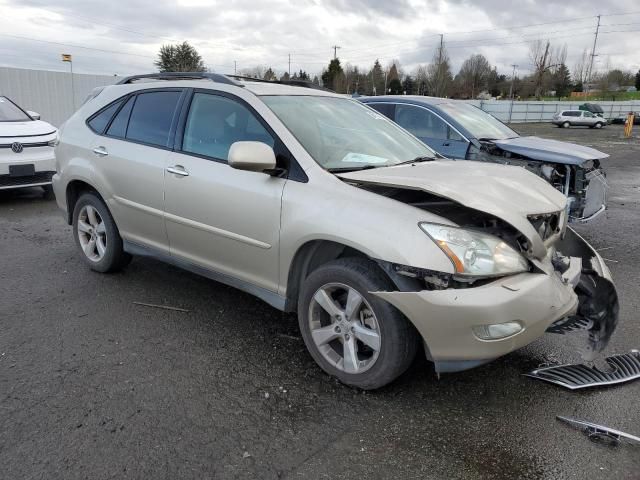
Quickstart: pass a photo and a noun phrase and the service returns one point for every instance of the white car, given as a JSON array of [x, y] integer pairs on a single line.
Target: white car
[[572, 118], [26, 148]]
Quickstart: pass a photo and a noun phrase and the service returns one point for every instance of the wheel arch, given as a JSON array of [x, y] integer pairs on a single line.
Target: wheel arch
[[74, 190], [315, 253]]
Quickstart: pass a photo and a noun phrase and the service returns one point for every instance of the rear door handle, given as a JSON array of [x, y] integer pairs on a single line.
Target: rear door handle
[[100, 151], [178, 170]]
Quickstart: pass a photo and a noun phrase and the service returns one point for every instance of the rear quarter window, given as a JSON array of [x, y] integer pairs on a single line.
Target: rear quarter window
[[99, 121]]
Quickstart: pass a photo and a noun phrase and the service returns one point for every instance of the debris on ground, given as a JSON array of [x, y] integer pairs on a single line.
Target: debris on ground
[[622, 368], [600, 433], [165, 307]]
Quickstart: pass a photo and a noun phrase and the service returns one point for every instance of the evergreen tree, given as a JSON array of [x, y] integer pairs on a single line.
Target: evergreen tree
[[179, 58], [562, 81], [408, 85], [377, 79], [332, 77]]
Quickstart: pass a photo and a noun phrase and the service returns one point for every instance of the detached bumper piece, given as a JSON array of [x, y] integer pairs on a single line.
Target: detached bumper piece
[[598, 307], [600, 433], [624, 368]]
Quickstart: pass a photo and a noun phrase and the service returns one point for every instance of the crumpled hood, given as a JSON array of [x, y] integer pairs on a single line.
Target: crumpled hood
[[507, 192], [29, 128], [546, 150]]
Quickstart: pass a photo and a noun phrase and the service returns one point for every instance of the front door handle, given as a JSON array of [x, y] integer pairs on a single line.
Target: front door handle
[[100, 151], [178, 170], [446, 144]]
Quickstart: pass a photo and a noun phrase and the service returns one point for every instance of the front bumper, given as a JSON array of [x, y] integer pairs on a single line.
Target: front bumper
[[445, 318], [42, 159]]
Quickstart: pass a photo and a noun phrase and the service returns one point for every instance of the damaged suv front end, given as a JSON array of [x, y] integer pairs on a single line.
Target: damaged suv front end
[[517, 270]]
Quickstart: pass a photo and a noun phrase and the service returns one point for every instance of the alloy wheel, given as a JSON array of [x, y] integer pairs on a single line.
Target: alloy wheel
[[92, 233], [344, 328]]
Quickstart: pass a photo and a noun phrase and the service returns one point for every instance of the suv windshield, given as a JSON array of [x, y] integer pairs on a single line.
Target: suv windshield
[[480, 124], [340, 133], [10, 112]]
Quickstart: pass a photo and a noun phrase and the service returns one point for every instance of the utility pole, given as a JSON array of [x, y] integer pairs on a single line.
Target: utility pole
[[438, 80], [513, 77], [289, 65], [335, 51], [235, 67], [593, 54]]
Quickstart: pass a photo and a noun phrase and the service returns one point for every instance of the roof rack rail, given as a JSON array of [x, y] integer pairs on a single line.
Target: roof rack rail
[[295, 83], [214, 77]]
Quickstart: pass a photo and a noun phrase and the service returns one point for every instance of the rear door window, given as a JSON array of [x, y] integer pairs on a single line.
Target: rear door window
[[424, 123], [152, 116], [387, 109]]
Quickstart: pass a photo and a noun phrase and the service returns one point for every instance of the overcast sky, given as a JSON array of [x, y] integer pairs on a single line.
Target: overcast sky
[[123, 37]]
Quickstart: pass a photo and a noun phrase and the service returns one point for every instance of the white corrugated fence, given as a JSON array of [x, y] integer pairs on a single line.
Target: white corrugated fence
[[50, 94]]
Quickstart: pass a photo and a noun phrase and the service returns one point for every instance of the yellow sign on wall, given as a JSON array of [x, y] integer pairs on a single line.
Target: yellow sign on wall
[[66, 57]]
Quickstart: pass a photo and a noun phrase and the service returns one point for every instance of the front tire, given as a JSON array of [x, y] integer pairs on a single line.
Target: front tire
[[97, 236], [598, 125], [354, 336]]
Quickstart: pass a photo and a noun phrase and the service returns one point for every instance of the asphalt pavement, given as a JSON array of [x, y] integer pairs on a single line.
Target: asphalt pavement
[[94, 386]]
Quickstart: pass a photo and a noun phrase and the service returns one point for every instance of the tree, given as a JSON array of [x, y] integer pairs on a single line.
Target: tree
[[333, 76], [377, 79], [269, 75], [439, 76], [540, 54], [179, 58], [408, 85], [581, 69], [562, 81], [474, 74], [638, 80], [421, 74]]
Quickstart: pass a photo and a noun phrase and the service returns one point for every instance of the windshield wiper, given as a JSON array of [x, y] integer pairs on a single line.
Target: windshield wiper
[[415, 160], [352, 169]]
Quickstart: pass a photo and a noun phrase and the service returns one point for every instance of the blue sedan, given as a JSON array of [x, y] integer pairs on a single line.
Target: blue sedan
[[462, 131]]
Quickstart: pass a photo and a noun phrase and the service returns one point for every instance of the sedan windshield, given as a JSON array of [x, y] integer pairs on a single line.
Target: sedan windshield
[[340, 133], [10, 112], [477, 122]]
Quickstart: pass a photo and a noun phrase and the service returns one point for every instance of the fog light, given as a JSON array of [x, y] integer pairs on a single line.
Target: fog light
[[497, 330]]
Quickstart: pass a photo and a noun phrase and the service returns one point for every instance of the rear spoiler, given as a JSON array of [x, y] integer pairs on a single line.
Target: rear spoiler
[[93, 94]]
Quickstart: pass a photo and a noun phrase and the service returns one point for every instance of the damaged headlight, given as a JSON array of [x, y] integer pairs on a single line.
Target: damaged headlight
[[475, 253]]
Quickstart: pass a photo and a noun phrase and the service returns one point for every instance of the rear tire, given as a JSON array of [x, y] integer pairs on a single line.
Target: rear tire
[[566, 125], [342, 324], [97, 236]]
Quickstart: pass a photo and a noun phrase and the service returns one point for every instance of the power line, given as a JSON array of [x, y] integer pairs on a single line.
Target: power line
[[76, 46]]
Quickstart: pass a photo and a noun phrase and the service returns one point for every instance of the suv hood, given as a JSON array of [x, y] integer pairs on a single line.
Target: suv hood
[[545, 150], [507, 192], [30, 128]]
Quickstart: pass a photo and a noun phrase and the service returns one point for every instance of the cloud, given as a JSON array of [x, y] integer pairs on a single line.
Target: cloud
[[124, 36]]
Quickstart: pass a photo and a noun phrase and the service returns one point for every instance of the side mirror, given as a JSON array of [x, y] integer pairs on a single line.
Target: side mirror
[[252, 156], [34, 115]]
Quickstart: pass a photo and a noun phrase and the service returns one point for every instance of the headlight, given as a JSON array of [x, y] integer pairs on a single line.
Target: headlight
[[54, 142], [475, 253]]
